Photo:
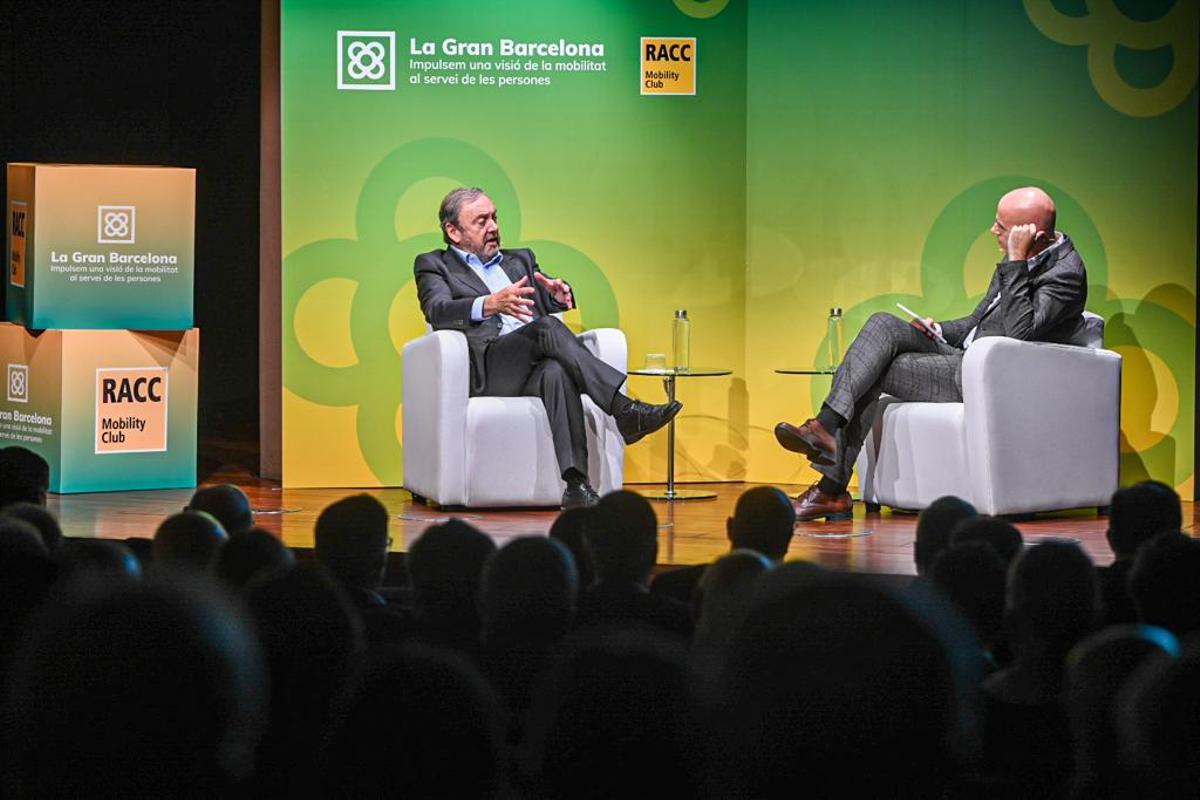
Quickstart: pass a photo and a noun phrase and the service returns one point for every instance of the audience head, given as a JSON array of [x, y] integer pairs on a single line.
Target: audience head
[[617, 719], [1053, 599], [934, 526], [421, 723], [528, 593], [445, 566], [723, 599], [37, 516], [971, 576], [1140, 512], [227, 503], [351, 541], [1158, 724], [570, 528], [101, 558], [249, 553], [1164, 583], [828, 667], [622, 536], [24, 477], [26, 573], [1097, 669], [155, 690], [764, 519], [999, 534], [188, 540], [313, 640]]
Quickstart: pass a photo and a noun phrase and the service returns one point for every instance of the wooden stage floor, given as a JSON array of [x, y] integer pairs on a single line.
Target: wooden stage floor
[[691, 532]]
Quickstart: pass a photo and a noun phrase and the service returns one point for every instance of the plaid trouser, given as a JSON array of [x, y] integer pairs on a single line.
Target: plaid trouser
[[888, 356]]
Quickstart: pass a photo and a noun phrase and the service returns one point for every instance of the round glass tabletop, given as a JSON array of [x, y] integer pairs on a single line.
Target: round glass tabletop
[[806, 370], [685, 372]]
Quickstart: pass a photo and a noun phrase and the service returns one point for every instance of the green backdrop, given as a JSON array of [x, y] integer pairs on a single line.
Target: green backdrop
[[834, 153]]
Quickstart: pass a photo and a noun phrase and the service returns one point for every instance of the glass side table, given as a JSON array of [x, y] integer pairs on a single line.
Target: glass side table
[[806, 370], [669, 375]]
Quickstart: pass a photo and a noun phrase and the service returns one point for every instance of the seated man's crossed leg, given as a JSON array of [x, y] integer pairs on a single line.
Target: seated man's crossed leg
[[545, 359], [888, 356]]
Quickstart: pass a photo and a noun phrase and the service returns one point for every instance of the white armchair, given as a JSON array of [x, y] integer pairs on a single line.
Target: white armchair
[[1038, 430], [494, 451]]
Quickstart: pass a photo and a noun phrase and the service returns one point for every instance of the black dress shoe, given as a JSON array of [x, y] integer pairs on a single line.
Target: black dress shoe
[[579, 495], [639, 419]]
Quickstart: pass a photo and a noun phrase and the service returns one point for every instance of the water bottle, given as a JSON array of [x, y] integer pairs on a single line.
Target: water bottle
[[681, 340], [834, 339]]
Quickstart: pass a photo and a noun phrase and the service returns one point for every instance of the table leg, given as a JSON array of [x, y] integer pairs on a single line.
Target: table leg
[[672, 494], [669, 385]]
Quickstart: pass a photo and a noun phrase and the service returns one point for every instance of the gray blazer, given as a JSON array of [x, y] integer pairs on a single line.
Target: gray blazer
[[1044, 304], [447, 287]]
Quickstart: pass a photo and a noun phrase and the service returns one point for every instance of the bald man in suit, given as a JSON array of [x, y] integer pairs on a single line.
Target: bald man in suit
[[1037, 293]]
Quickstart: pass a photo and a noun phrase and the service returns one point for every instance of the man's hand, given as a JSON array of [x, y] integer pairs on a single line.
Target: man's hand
[[928, 327], [557, 288], [1021, 240], [513, 300]]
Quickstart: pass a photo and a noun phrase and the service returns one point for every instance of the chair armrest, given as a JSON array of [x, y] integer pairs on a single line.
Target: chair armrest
[[1042, 423], [437, 374], [609, 345]]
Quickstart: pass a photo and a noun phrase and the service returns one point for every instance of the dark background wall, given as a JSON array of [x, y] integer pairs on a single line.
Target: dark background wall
[[159, 82]]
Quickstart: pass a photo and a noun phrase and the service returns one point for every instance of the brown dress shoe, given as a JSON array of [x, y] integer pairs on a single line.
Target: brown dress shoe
[[814, 504], [811, 439]]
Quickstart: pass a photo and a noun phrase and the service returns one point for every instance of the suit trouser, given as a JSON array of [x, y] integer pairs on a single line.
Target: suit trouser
[[544, 359], [888, 356]]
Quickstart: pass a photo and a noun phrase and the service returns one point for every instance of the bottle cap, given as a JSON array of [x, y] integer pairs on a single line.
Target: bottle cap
[[681, 313]]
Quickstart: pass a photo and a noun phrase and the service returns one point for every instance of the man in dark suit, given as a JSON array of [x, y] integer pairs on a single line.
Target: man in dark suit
[[504, 304], [1037, 293]]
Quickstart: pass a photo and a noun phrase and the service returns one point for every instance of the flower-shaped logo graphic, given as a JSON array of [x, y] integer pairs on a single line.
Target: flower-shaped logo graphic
[[380, 267], [1105, 28]]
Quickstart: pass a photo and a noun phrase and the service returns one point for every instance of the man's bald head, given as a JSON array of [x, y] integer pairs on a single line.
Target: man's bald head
[[1028, 205]]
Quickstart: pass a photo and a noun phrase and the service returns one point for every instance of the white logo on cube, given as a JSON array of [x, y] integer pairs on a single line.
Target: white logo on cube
[[18, 383], [115, 224], [367, 60]]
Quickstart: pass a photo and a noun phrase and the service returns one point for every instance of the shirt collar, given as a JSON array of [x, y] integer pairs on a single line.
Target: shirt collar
[[472, 260], [1044, 256]]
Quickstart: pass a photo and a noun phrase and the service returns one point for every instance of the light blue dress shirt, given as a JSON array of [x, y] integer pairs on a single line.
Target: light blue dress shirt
[[495, 279]]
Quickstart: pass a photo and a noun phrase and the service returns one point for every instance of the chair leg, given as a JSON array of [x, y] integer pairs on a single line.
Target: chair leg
[[419, 499], [872, 508]]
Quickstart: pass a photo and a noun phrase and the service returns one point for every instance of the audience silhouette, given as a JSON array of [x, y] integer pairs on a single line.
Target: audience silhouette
[[445, 568], [548, 669], [189, 540], [227, 503], [622, 537], [1136, 515], [764, 520], [934, 526], [134, 689]]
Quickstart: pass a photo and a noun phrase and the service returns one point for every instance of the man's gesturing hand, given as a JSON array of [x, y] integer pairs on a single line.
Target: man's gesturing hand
[[558, 289], [1021, 239], [512, 300]]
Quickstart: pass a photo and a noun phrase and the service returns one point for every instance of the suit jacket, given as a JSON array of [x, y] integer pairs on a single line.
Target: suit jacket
[[447, 287], [1044, 304]]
